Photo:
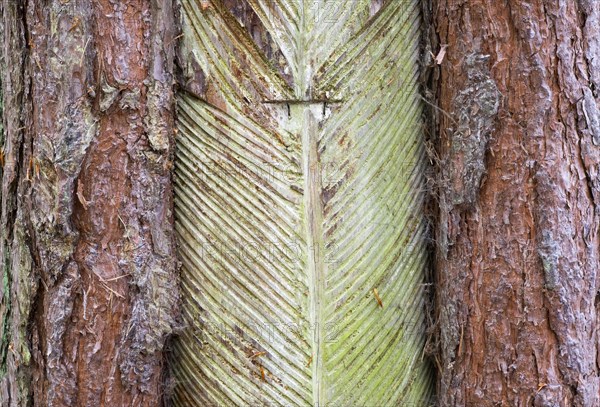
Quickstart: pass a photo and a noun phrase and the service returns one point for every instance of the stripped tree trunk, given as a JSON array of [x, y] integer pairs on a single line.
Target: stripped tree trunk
[[518, 258], [89, 290], [299, 177]]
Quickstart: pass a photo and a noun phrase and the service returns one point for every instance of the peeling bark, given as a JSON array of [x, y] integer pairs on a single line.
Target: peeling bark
[[518, 225], [87, 248]]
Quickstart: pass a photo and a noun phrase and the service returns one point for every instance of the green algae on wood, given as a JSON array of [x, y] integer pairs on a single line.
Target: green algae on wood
[[299, 171]]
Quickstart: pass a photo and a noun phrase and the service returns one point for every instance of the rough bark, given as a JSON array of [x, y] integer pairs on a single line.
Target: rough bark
[[87, 246], [518, 257]]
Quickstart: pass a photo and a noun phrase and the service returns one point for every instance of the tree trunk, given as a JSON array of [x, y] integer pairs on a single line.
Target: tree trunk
[[299, 177], [518, 257], [89, 289], [291, 120]]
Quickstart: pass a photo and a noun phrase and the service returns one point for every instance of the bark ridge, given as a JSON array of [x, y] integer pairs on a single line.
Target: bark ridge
[[89, 291]]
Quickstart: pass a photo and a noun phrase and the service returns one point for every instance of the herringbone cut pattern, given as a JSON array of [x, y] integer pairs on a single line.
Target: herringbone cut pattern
[[299, 178]]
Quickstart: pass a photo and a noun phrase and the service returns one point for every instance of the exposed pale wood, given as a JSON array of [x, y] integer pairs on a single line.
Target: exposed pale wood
[[299, 173]]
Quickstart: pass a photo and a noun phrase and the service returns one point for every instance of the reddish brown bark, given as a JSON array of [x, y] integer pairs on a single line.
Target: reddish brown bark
[[87, 243], [518, 235]]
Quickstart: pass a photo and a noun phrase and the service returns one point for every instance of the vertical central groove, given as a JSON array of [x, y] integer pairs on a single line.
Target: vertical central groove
[[314, 241], [312, 201]]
